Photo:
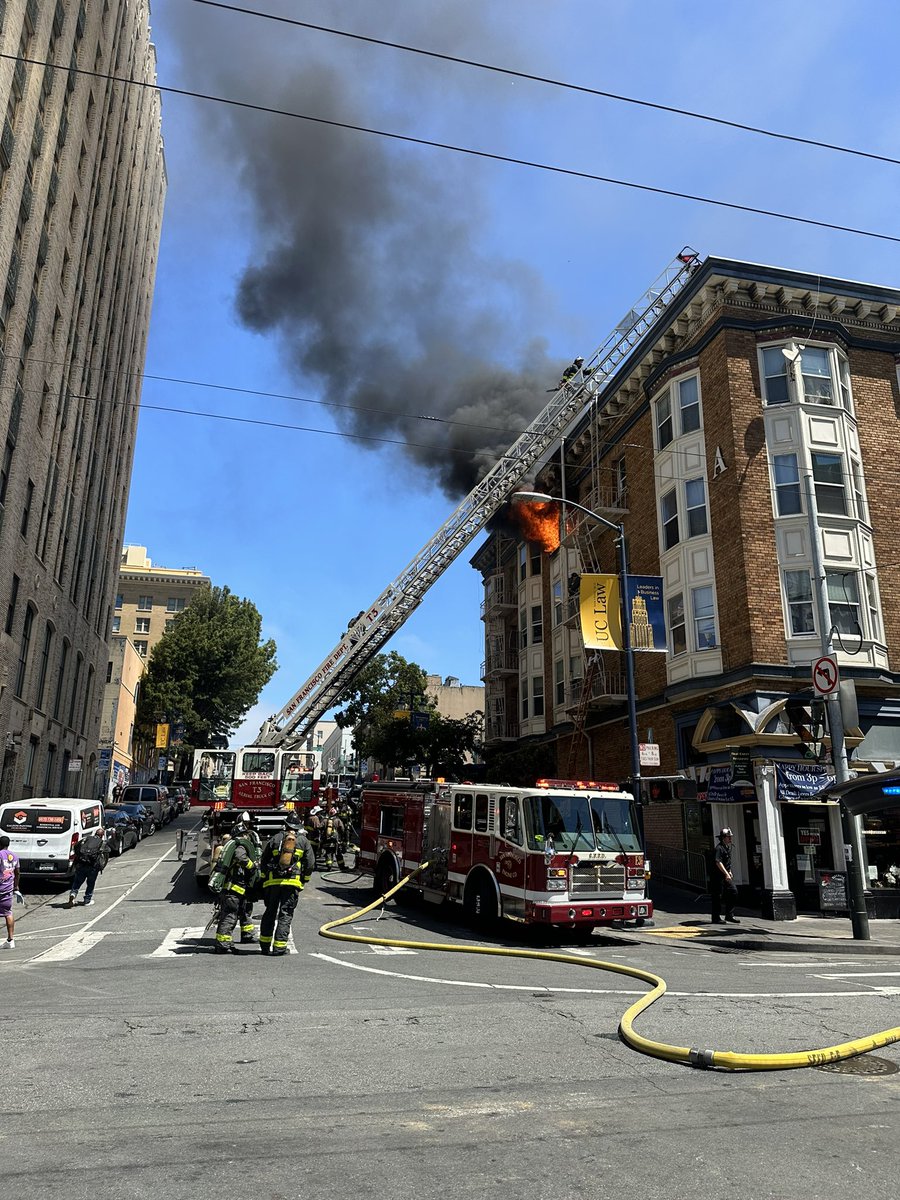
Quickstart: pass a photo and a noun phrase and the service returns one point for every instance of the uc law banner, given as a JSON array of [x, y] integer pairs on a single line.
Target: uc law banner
[[601, 613]]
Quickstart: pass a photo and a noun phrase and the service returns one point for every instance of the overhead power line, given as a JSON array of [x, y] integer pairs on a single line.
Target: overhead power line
[[408, 139], [557, 83]]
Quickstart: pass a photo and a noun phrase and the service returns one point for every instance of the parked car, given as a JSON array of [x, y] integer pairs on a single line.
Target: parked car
[[43, 832], [153, 796], [143, 817], [122, 831]]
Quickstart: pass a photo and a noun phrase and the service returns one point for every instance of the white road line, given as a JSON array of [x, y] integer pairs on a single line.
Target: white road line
[[856, 974], [519, 987], [173, 942], [794, 966], [71, 947], [390, 950]]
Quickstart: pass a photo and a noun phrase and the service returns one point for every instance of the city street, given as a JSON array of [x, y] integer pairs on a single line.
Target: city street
[[138, 1064]]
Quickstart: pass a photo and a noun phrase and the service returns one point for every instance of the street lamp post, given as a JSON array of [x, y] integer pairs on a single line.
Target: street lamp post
[[619, 530]]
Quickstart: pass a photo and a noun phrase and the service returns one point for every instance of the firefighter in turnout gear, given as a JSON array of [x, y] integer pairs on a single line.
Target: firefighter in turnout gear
[[235, 875], [287, 864], [327, 837]]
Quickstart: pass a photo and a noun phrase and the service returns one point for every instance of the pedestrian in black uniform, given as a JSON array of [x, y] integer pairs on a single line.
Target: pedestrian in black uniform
[[721, 884]]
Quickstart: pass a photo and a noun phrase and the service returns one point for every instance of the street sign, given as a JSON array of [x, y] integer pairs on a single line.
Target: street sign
[[649, 752], [105, 759], [74, 764], [741, 770], [825, 677]]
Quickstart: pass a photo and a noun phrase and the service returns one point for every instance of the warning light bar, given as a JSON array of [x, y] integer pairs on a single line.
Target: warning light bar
[[582, 785]]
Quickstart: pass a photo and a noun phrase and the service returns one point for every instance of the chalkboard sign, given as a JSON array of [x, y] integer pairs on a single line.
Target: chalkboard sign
[[833, 891]]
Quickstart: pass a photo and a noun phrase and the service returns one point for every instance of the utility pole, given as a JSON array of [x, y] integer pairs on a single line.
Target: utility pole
[[859, 917]]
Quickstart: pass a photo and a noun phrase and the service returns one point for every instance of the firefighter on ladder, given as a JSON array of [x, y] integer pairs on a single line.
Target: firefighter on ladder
[[287, 864], [235, 875]]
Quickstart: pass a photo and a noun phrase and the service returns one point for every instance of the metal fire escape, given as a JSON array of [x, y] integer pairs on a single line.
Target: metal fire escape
[[377, 624]]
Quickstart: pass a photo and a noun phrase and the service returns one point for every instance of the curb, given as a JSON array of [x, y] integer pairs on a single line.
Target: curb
[[802, 945]]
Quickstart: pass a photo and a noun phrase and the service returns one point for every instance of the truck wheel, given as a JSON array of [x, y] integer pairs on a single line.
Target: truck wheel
[[480, 903], [385, 876]]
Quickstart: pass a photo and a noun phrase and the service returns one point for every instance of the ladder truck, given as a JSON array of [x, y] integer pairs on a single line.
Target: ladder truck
[[375, 625]]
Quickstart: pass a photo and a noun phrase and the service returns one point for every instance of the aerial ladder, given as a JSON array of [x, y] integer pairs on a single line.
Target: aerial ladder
[[369, 632]]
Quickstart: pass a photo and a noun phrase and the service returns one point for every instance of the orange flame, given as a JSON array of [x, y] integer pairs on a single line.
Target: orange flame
[[538, 521]]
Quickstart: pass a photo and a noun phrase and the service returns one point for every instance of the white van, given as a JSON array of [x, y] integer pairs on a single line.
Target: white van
[[43, 832]]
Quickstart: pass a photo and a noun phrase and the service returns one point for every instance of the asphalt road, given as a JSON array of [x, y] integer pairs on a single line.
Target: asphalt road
[[140, 1065]]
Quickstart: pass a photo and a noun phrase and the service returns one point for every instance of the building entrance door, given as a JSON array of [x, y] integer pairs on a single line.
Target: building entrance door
[[807, 847], [753, 843]]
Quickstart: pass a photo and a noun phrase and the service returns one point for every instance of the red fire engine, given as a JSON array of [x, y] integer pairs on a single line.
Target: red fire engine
[[563, 852]]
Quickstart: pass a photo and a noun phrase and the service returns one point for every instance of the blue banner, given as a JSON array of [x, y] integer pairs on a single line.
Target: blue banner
[[720, 791], [801, 781], [644, 599]]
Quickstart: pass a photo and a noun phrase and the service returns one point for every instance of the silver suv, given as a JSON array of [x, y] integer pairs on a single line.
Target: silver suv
[[154, 797]]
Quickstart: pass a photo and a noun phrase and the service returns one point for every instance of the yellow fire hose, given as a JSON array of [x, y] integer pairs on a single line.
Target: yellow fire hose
[[725, 1059]]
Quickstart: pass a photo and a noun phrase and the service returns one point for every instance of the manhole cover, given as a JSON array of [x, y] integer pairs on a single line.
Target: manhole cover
[[863, 1064]]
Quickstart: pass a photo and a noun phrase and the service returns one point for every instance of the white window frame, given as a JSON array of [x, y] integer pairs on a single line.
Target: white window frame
[[841, 390], [845, 583], [824, 488], [798, 602], [693, 404], [141, 624], [691, 509], [702, 620], [537, 695], [787, 487], [678, 598], [145, 604], [664, 419], [673, 517]]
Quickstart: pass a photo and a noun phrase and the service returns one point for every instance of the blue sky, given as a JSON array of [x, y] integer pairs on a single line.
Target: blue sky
[[327, 264]]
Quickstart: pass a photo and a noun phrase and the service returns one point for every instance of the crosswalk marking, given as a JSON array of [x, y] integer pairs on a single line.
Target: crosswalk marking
[[390, 950], [71, 947], [179, 941]]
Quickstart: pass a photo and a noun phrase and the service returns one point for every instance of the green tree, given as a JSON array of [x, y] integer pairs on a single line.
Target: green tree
[[209, 668], [388, 684]]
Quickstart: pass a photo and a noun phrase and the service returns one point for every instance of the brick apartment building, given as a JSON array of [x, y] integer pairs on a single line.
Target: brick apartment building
[[759, 392], [82, 184]]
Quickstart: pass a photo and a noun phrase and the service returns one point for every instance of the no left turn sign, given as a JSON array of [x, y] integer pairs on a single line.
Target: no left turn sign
[[825, 676]]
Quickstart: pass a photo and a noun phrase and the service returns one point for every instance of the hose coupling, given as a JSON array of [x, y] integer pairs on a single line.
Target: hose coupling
[[702, 1059]]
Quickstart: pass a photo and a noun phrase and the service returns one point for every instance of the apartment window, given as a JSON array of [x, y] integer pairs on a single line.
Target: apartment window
[[109, 668], [5, 468], [704, 618], [24, 648], [786, 473], [677, 633], [669, 506], [559, 682], [76, 681], [689, 403], [535, 561], [28, 781], [557, 603], [26, 511], [11, 607], [537, 625], [523, 562], [45, 664], [537, 696], [49, 768], [822, 375], [175, 604], [775, 373], [664, 426], [798, 592], [828, 480], [119, 600], [145, 603], [523, 629], [874, 610], [87, 698], [60, 679], [815, 373], [576, 667], [621, 482], [170, 624], [695, 500], [843, 602], [141, 648], [142, 625], [116, 624], [859, 496], [523, 696]]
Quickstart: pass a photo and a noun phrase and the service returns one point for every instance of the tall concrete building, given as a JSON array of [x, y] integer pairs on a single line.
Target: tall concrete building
[[82, 184], [746, 444]]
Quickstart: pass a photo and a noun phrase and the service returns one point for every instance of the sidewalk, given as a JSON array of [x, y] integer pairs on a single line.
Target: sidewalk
[[679, 913]]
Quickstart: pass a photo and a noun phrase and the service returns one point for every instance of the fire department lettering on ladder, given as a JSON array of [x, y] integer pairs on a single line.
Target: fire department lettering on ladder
[[601, 613]]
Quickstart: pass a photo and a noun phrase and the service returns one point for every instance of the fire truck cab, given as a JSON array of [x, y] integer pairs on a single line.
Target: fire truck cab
[[563, 852]]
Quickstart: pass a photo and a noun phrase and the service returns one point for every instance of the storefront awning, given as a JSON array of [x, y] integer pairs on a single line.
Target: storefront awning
[[868, 793]]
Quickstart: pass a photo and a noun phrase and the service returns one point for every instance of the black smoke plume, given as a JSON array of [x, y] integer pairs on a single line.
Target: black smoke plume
[[368, 263]]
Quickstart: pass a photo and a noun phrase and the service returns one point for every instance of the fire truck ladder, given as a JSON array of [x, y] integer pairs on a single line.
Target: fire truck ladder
[[377, 624]]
